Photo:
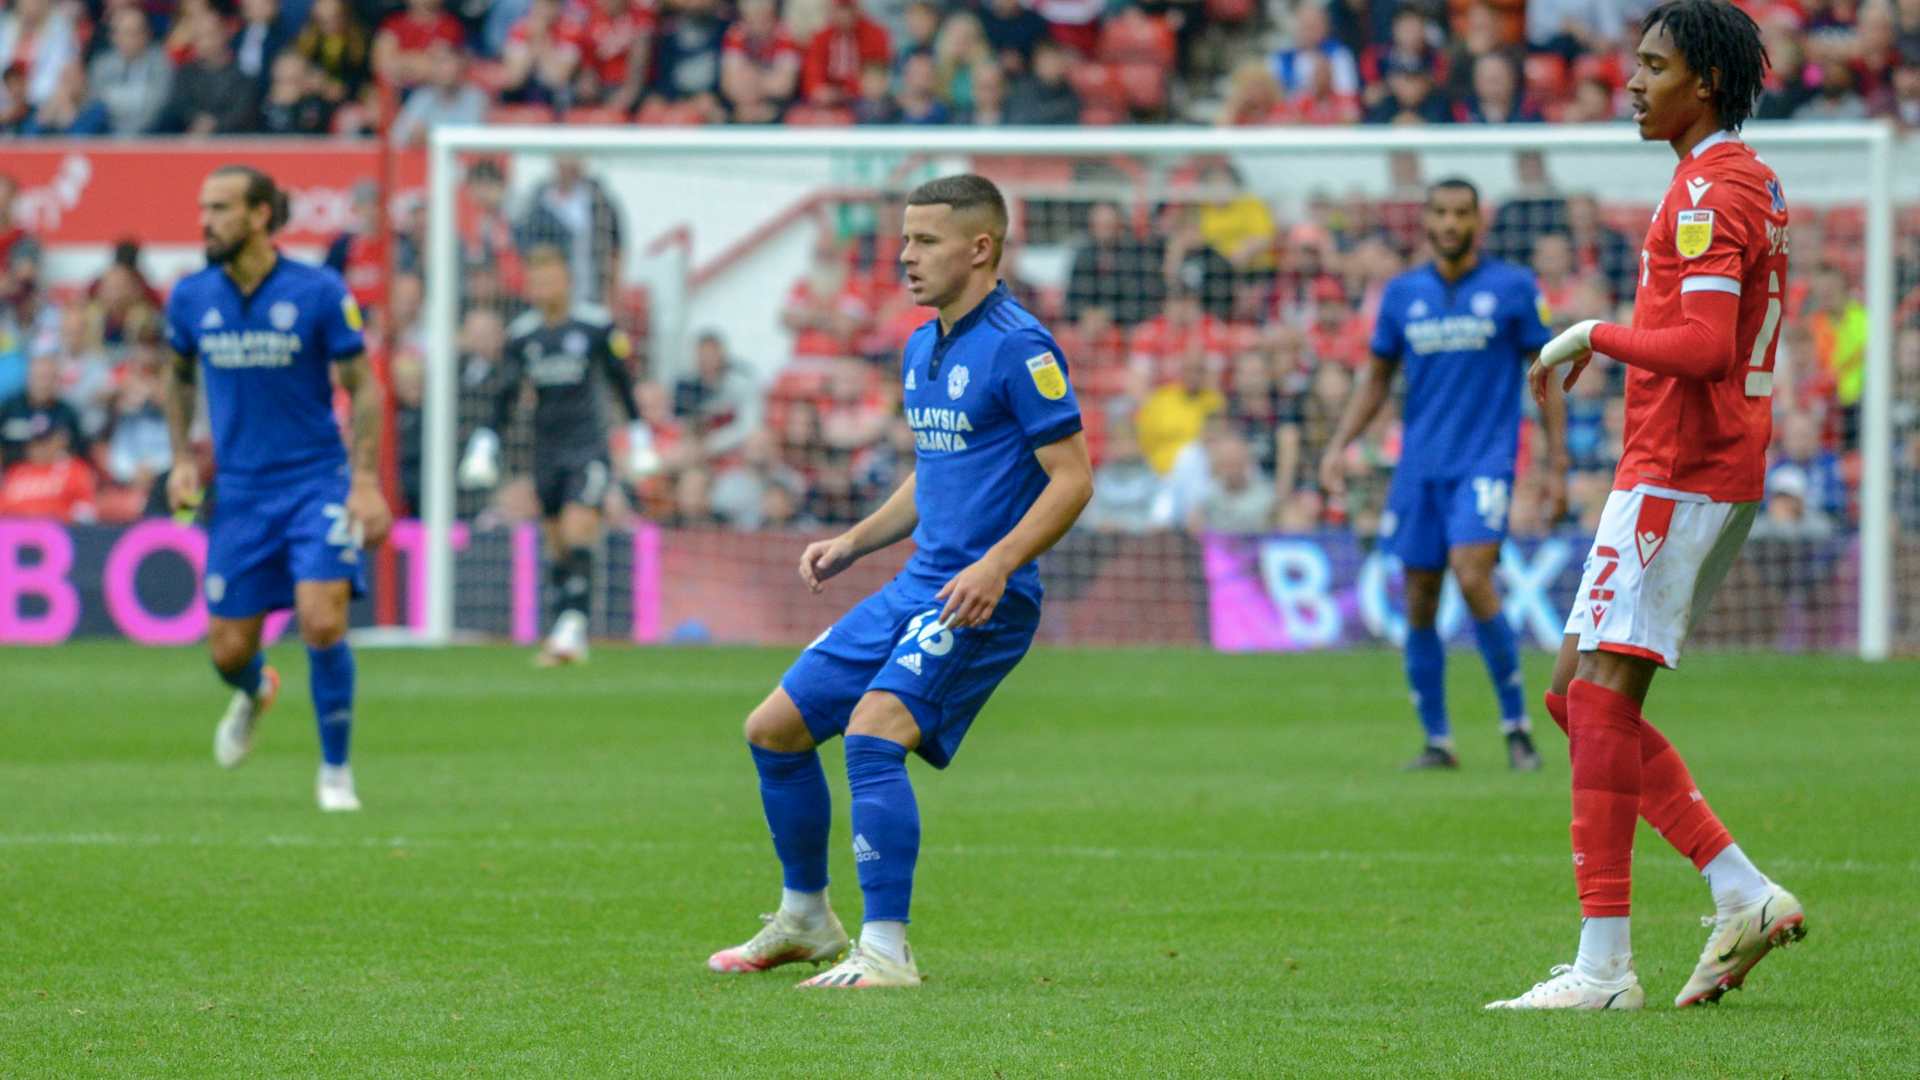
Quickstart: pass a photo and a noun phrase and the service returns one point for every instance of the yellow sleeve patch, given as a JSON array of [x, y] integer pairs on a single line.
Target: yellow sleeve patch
[[618, 344], [1546, 310], [351, 311], [1693, 233], [1047, 376]]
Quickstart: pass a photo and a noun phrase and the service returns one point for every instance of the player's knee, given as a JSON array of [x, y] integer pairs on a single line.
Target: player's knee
[[230, 650], [1423, 599], [778, 726], [884, 716], [322, 626]]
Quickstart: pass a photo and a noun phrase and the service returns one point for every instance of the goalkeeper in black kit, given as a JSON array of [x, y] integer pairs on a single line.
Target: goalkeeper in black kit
[[565, 350]]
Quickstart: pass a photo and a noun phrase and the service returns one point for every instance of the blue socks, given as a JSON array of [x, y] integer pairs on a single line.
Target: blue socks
[[1427, 677], [1502, 654], [886, 825], [330, 678], [247, 679], [793, 789]]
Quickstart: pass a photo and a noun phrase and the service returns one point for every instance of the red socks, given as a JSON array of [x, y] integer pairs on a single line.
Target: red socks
[[1604, 729], [1668, 799]]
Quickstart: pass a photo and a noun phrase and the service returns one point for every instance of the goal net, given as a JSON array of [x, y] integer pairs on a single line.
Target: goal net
[[1214, 292]]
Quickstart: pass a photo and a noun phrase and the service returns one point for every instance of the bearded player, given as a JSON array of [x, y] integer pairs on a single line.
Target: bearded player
[[292, 505], [1466, 327], [565, 350], [1699, 417], [1002, 474]]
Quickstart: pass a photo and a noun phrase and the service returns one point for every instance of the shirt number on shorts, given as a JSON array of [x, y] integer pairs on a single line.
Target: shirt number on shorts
[[340, 534], [935, 640], [1490, 500]]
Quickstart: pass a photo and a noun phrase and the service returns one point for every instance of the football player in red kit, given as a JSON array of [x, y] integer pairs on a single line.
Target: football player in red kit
[[1700, 356]]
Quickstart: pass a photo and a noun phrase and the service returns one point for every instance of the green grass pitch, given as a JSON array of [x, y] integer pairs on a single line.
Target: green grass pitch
[[1142, 864]]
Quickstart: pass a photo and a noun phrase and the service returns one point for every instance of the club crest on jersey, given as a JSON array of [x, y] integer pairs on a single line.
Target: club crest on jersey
[[212, 320], [1484, 304], [1693, 233], [957, 381], [911, 385], [1418, 310], [1047, 377], [575, 343], [283, 315]]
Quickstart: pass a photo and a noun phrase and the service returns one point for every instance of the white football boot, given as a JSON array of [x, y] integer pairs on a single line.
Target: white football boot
[[1741, 940], [783, 941], [334, 789], [567, 644], [1568, 989], [233, 738], [863, 968]]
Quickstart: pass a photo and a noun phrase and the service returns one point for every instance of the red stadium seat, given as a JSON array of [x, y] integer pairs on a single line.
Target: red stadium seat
[[520, 114], [596, 114], [671, 114], [1231, 12], [818, 116]]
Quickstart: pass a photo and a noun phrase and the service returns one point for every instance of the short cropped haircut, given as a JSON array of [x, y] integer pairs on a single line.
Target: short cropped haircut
[[261, 191], [1455, 183], [968, 193], [1714, 36]]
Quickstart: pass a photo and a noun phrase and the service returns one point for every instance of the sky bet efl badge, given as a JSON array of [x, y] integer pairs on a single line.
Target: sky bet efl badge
[[1047, 377], [1693, 233]]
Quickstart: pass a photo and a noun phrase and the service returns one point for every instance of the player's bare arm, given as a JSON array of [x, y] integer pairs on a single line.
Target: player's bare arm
[[974, 592], [893, 522], [1362, 407], [1554, 460], [179, 399], [365, 504]]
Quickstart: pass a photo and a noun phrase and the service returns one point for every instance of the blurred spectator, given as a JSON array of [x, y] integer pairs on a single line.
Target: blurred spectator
[[48, 481], [1482, 36], [686, 66], [1254, 96], [1837, 98], [1175, 412], [826, 309], [261, 37], [1073, 23], [1412, 42], [617, 43], [1043, 96], [989, 107], [1314, 48], [960, 47], [140, 447], [86, 371], [1238, 499], [445, 98], [1115, 269], [1838, 323], [1337, 334], [1592, 103], [1498, 97], [133, 79], [1194, 265], [402, 48], [70, 110], [1587, 449], [1159, 347], [15, 109], [573, 212], [294, 104], [1786, 515], [338, 48], [720, 401], [1322, 102], [918, 27], [39, 36], [210, 95], [35, 410], [356, 254], [1902, 100], [1598, 249], [853, 414], [919, 97], [835, 58], [1571, 28], [739, 494], [1819, 467], [693, 500], [1412, 97], [1124, 488], [759, 64], [876, 105], [1535, 208], [1012, 29], [1235, 222], [1254, 404], [542, 55]]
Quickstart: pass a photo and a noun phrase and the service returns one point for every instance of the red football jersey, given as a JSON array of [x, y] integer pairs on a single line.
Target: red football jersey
[[1723, 227]]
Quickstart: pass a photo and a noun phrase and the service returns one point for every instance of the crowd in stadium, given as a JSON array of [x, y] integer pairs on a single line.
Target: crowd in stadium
[[317, 67]]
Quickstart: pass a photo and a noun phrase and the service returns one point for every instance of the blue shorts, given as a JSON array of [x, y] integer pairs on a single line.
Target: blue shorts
[[1427, 518], [892, 642], [261, 541]]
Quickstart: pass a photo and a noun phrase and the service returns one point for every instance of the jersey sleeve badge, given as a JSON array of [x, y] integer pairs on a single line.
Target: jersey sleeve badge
[[618, 344], [1545, 309], [351, 312], [1047, 376], [1693, 233]]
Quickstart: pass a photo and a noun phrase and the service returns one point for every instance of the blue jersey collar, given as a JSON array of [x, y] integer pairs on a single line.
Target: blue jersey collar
[[1479, 265], [967, 321], [246, 298]]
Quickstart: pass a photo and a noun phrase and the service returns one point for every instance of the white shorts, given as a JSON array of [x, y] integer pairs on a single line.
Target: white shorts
[[1655, 563]]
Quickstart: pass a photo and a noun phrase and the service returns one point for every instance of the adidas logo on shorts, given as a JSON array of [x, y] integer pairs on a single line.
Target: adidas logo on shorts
[[911, 662]]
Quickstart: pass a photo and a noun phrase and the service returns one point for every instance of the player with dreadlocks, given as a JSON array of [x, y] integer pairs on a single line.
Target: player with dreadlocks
[[1700, 357]]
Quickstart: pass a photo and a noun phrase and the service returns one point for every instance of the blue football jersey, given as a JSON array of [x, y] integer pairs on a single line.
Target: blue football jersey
[[266, 360], [980, 399], [1463, 347]]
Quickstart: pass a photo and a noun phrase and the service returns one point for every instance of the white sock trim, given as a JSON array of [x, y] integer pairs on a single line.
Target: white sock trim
[[807, 908], [1606, 948], [1735, 881], [888, 937]]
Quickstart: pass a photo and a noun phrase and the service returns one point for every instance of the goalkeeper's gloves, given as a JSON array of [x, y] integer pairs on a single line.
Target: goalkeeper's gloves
[[1571, 346], [480, 468], [642, 459]]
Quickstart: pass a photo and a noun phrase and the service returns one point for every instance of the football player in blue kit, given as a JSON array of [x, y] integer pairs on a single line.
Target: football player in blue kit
[[1466, 327], [1002, 473], [292, 507]]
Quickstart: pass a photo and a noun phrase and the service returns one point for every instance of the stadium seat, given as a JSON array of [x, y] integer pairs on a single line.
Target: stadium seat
[[520, 114], [596, 114], [1230, 12], [671, 114]]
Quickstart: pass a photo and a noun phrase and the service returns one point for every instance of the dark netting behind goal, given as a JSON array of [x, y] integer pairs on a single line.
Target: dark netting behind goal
[[1215, 310]]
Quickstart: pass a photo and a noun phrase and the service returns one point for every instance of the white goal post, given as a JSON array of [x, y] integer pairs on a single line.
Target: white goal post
[[1614, 150]]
